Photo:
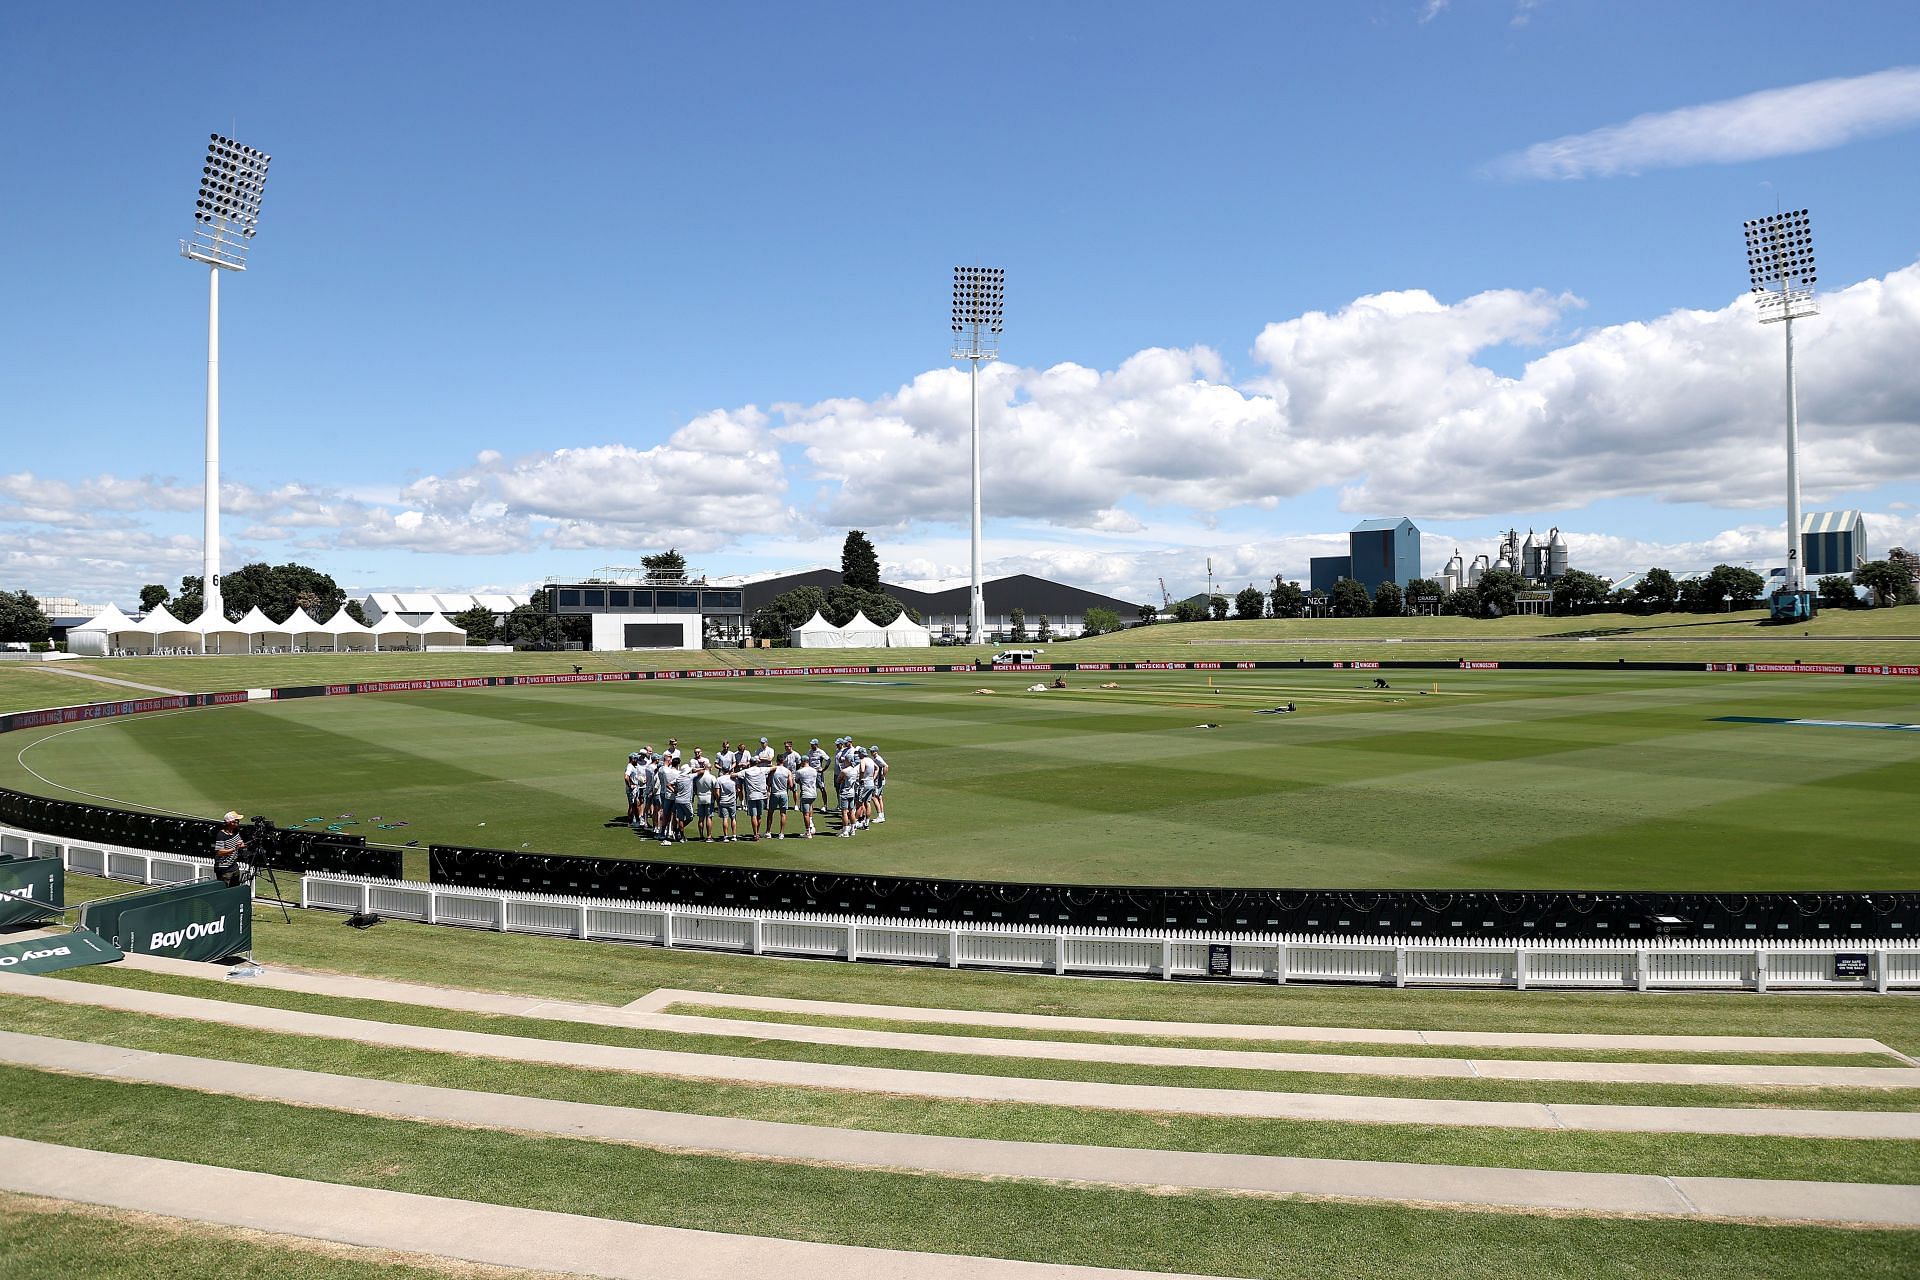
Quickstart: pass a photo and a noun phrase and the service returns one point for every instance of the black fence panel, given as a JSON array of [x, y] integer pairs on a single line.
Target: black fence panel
[[294, 851], [1440, 914]]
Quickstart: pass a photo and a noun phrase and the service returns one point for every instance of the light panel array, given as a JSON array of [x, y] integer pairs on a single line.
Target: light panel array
[[231, 184], [979, 298], [1780, 251]]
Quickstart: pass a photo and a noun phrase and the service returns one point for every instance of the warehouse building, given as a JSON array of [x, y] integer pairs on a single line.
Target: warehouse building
[[1832, 542]]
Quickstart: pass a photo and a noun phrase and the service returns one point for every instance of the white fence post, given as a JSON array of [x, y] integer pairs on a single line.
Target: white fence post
[[500, 925], [1280, 964], [1059, 953], [1166, 958], [1399, 966], [853, 942], [1759, 971], [1520, 969], [1880, 971], [666, 928], [1639, 971], [953, 948], [757, 940], [580, 921]]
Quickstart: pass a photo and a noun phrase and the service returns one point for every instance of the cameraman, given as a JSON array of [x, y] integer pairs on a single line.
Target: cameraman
[[226, 851]]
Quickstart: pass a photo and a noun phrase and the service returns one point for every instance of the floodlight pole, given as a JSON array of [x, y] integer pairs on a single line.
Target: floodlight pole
[[226, 215], [978, 312], [210, 558], [1796, 570]]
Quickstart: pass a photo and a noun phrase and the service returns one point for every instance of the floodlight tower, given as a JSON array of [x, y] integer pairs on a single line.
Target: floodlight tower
[[227, 213], [1780, 266], [979, 307]]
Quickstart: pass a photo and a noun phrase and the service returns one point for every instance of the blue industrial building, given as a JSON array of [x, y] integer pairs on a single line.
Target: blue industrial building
[[1832, 542], [1383, 551], [1324, 571]]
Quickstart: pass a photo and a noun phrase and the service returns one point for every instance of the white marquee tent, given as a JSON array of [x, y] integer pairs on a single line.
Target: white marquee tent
[[394, 632], [306, 635], [816, 633], [863, 633], [904, 633], [348, 634], [217, 635], [167, 634], [108, 633], [264, 634], [437, 632]]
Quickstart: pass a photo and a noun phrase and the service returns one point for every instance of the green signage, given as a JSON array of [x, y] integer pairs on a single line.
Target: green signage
[[208, 926], [43, 880], [105, 916], [60, 951]]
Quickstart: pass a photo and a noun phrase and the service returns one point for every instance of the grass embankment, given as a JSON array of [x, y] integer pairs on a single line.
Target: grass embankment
[[1835, 1160], [1292, 1081], [1853, 635], [28, 686], [1206, 1233]]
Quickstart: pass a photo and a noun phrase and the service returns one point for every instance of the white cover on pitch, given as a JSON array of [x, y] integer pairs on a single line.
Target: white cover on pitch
[[904, 633]]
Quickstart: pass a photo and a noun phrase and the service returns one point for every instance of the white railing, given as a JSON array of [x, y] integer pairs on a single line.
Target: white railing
[[1633, 964]]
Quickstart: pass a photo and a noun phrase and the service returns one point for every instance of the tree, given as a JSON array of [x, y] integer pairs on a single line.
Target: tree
[[843, 602], [528, 628], [1148, 615], [1699, 595], [1889, 582], [1462, 603], [1046, 628], [151, 596], [277, 590], [186, 604], [21, 618], [1249, 603], [1217, 606], [1350, 599], [1189, 611], [1289, 601], [1019, 620], [668, 565], [358, 613], [1099, 622], [1836, 591], [1577, 590], [774, 619], [1657, 589], [1387, 601], [478, 622], [859, 562], [1498, 587], [1744, 585]]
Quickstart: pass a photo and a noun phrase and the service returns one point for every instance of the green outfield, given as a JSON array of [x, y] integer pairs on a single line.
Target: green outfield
[[1622, 780]]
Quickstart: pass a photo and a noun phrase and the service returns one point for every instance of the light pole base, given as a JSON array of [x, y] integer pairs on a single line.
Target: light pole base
[[1793, 606]]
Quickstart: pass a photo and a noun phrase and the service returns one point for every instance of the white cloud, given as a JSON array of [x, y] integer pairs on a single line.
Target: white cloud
[[1431, 10], [1773, 122]]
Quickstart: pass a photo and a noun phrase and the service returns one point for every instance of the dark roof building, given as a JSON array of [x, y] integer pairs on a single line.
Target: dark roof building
[[945, 612]]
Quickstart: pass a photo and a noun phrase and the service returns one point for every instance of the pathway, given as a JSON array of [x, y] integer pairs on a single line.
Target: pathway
[[473, 1232], [89, 675]]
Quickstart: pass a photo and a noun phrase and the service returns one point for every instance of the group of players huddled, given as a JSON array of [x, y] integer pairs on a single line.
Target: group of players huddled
[[668, 794]]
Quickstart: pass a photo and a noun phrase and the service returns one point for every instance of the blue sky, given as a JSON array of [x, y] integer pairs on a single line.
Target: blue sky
[[540, 291]]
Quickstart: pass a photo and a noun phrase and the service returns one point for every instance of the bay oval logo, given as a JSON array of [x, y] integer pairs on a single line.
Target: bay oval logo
[[50, 953], [198, 929]]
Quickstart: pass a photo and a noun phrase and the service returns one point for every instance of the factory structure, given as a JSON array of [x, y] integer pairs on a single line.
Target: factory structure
[[1540, 562]]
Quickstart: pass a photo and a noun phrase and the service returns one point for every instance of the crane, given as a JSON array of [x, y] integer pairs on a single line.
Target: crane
[[1166, 596]]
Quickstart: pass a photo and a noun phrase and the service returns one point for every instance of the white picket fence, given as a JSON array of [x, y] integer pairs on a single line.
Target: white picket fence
[[1633, 964], [1257, 957]]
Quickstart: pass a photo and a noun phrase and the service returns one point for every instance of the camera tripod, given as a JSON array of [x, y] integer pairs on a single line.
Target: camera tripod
[[262, 839]]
